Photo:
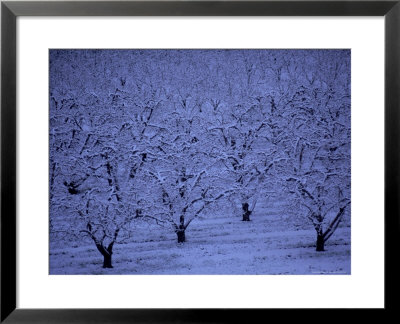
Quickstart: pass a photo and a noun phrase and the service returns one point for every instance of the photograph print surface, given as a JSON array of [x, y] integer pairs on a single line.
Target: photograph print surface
[[210, 162]]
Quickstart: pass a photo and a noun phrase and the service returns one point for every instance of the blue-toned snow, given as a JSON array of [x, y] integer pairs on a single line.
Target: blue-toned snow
[[145, 141]]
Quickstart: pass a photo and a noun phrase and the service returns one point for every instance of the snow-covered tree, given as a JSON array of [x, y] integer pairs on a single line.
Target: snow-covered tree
[[318, 172], [247, 126], [246, 154], [184, 166], [97, 146]]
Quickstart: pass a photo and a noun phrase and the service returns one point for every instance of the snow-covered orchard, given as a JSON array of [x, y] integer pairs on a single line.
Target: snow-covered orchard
[[199, 161]]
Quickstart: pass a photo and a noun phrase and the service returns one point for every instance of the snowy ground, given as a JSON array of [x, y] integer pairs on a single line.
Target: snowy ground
[[215, 246]]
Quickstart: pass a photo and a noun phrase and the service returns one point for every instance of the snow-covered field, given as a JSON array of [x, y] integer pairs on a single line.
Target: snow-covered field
[[264, 245]]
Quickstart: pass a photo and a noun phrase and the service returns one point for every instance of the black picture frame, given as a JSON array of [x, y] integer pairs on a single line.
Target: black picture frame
[[10, 10]]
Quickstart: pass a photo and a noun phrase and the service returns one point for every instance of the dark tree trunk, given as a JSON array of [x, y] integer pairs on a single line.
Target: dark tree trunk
[[107, 261], [106, 253], [320, 243], [246, 212], [181, 235], [180, 232]]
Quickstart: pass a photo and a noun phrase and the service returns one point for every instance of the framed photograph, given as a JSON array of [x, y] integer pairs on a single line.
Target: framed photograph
[[197, 161]]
